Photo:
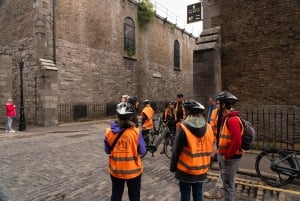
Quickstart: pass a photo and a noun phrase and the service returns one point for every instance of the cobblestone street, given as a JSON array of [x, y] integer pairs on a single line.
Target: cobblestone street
[[68, 163]]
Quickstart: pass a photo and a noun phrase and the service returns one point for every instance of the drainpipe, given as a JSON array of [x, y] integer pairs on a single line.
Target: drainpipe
[[53, 31]]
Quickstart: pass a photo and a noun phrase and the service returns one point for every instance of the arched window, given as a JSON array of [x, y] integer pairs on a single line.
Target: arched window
[[129, 36], [176, 55]]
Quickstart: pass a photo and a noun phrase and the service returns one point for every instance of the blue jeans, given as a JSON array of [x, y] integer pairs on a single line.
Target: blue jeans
[[185, 190], [8, 123], [228, 170], [133, 185]]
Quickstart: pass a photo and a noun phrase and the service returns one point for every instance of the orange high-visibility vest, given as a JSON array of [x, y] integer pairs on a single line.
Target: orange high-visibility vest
[[124, 160], [214, 120], [149, 112], [195, 157], [225, 139]]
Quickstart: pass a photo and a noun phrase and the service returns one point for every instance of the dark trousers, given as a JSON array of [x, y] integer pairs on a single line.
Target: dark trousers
[[133, 185], [186, 188]]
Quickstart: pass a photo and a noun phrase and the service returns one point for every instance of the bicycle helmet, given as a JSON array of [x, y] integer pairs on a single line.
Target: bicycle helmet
[[132, 100], [179, 95], [226, 97], [146, 102], [193, 107], [124, 110]]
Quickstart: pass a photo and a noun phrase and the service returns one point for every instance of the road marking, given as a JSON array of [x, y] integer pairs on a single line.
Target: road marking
[[256, 184]]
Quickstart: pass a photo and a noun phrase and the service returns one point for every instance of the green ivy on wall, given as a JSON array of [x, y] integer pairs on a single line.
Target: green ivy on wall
[[145, 13]]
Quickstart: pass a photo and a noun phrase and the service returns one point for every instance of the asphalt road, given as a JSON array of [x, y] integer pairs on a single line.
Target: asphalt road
[[68, 163]]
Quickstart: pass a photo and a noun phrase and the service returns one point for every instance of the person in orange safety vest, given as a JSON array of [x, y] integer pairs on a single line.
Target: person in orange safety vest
[[124, 142], [230, 139], [147, 120], [192, 151]]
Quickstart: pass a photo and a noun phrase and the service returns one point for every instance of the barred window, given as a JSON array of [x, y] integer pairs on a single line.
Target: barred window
[[129, 36], [176, 55]]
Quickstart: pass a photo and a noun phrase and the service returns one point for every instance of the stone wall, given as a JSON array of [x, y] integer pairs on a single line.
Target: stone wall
[[260, 49], [90, 55], [87, 46]]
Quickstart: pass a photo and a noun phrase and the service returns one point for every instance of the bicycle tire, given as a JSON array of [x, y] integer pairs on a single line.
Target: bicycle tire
[[168, 145], [270, 176]]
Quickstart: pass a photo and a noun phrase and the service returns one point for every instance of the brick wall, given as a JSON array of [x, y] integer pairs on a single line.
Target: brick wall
[[261, 49]]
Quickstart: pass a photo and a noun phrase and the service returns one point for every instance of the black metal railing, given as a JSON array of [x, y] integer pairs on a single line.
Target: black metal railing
[[73, 112], [274, 126]]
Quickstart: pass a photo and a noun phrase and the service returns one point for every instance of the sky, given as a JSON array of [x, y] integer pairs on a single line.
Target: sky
[[176, 11]]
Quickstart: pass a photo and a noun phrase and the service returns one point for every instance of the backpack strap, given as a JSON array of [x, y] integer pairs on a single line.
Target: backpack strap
[[116, 140]]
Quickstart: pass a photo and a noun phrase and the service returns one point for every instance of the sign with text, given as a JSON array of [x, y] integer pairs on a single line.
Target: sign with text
[[194, 12]]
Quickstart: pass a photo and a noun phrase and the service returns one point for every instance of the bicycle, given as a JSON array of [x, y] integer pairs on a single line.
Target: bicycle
[[156, 136], [278, 167]]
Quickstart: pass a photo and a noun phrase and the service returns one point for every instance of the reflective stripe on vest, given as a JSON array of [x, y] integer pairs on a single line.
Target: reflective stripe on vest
[[225, 139], [195, 158], [124, 161]]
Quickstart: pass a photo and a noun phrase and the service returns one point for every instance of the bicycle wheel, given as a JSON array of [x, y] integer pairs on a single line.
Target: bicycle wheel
[[168, 145], [271, 176]]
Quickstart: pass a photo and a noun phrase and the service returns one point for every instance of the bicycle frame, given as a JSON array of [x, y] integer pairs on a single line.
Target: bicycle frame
[[294, 172], [156, 136]]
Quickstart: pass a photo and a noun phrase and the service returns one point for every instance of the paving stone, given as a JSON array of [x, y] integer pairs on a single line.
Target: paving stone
[[54, 166]]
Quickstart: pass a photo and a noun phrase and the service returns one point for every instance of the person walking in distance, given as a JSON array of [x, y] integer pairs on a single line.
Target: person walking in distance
[[229, 144], [124, 144], [147, 120], [192, 150], [10, 113]]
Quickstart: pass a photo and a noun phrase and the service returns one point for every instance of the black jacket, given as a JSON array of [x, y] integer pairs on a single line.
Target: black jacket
[[198, 130]]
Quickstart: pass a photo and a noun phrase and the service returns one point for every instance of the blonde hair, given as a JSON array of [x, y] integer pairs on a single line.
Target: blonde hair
[[9, 100]]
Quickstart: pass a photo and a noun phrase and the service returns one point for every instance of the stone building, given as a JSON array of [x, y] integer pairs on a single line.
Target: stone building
[[88, 51], [251, 48], [78, 51]]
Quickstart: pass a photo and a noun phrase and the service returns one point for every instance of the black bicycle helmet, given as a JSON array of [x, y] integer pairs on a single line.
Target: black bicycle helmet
[[124, 110], [132, 100], [226, 97], [146, 102], [179, 95], [193, 107]]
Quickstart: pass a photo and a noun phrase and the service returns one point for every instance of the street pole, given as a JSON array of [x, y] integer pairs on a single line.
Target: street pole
[[22, 125]]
